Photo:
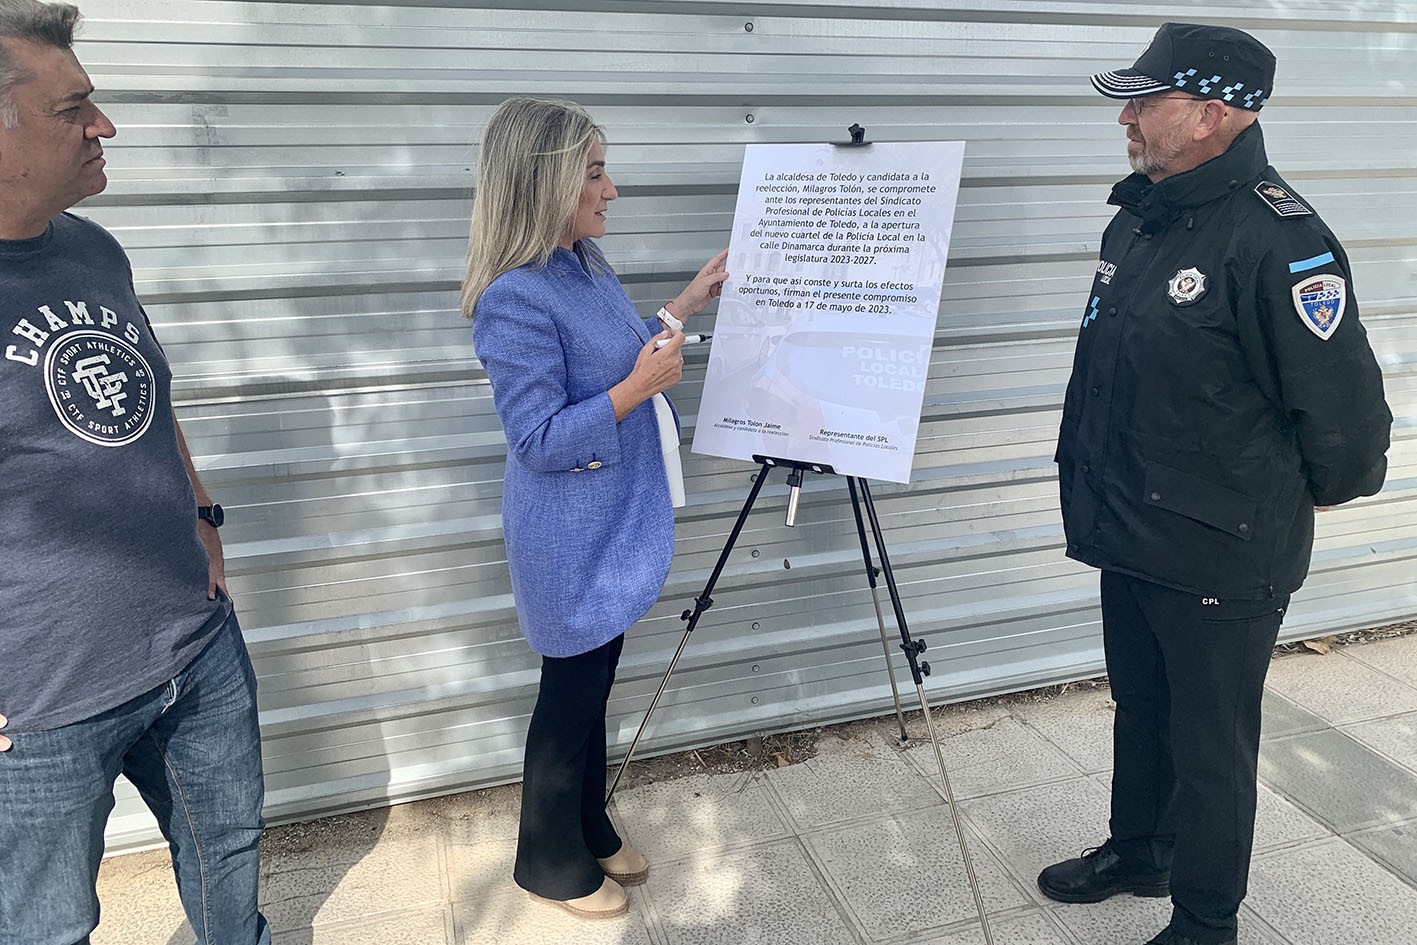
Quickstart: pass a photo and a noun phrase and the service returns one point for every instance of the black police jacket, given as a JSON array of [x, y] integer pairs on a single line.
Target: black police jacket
[[1222, 384]]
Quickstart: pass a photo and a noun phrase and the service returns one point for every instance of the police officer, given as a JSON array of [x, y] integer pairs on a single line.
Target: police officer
[[1222, 388]]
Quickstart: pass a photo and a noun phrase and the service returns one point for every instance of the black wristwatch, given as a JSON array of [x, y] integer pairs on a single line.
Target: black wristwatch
[[211, 513]]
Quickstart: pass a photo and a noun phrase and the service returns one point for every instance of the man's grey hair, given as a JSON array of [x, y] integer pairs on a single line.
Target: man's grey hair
[[50, 24]]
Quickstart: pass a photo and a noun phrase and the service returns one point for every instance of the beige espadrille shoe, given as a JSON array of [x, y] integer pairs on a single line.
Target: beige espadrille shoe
[[607, 902], [626, 866]]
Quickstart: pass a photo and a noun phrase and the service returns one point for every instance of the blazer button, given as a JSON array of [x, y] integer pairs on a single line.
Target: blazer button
[[593, 464], [577, 469], [1156, 497], [1244, 527]]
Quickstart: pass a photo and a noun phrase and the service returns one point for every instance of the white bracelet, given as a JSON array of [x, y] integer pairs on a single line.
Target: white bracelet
[[670, 322]]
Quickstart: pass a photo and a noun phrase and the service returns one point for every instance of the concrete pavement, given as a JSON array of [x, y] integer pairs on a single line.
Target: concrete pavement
[[855, 846]]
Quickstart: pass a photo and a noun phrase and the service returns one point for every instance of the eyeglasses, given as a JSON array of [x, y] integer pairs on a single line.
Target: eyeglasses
[[1143, 103]]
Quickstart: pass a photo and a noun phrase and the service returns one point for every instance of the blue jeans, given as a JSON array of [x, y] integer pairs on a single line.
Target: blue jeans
[[192, 748]]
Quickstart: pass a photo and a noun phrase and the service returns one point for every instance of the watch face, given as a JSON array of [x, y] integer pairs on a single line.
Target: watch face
[[218, 515]]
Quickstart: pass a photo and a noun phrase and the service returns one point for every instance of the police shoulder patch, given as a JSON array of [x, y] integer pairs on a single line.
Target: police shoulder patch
[[1320, 301], [1281, 200]]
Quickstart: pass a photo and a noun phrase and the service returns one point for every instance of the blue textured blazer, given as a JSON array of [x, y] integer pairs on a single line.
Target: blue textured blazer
[[586, 511]]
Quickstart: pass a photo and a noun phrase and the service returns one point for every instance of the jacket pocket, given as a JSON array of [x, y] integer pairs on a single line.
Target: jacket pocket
[[1206, 502]]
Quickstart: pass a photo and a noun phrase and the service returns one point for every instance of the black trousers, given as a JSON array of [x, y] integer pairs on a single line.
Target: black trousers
[[1187, 673], [564, 827]]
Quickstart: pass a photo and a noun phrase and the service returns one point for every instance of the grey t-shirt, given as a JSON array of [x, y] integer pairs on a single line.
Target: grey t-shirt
[[103, 579]]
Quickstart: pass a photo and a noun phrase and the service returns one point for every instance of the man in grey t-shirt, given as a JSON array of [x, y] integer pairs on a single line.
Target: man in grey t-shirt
[[119, 649]]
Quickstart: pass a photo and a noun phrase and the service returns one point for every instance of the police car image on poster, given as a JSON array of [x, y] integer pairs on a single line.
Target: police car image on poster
[[822, 344]]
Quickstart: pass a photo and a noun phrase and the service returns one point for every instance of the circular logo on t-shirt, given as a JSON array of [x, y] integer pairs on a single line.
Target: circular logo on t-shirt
[[101, 387]]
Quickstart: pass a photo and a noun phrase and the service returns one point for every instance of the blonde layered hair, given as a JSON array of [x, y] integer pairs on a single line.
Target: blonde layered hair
[[531, 168]]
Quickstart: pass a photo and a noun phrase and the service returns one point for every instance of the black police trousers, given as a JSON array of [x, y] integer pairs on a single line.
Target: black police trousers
[[1187, 673], [564, 827]]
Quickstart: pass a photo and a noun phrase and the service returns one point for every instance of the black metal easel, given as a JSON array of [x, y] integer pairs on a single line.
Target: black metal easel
[[912, 648], [704, 601]]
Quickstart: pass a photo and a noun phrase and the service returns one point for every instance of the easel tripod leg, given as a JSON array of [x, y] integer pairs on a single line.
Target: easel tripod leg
[[918, 672], [876, 599], [663, 683], [701, 603]]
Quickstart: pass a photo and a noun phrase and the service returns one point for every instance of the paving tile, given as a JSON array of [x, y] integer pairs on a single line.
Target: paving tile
[[1330, 894], [850, 779], [1001, 757], [1031, 929], [1121, 920], [1397, 657], [766, 894], [1347, 786], [513, 918], [1279, 823], [1280, 717], [1254, 931], [958, 718], [482, 845], [871, 863], [481, 831], [1039, 826], [138, 901], [353, 867], [1338, 689], [673, 818], [421, 927], [726, 870], [481, 871], [1079, 723], [1394, 847], [1395, 737], [481, 827], [490, 814], [1132, 920]]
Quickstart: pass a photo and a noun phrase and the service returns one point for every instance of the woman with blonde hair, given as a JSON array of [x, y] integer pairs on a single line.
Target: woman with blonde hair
[[592, 471]]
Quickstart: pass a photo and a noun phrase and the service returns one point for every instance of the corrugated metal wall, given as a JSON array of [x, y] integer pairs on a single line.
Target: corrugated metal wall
[[292, 181]]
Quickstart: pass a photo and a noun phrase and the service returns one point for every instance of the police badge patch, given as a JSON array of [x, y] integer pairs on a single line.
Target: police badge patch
[[1187, 287], [1320, 302]]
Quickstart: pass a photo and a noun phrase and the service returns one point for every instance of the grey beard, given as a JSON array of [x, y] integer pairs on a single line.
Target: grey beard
[[1144, 163]]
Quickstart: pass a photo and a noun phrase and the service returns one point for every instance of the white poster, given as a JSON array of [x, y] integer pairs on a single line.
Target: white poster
[[822, 344]]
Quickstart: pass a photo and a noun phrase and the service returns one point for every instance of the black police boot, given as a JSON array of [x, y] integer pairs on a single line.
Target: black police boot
[[1170, 936], [1099, 874]]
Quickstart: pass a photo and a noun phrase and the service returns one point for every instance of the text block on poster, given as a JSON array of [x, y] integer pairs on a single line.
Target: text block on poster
[[822, 344]]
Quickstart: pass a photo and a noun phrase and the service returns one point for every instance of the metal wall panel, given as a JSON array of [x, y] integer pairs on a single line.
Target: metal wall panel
[[292, 181]]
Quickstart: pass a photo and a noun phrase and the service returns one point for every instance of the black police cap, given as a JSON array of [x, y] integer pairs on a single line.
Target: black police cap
[[1205, 61]]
